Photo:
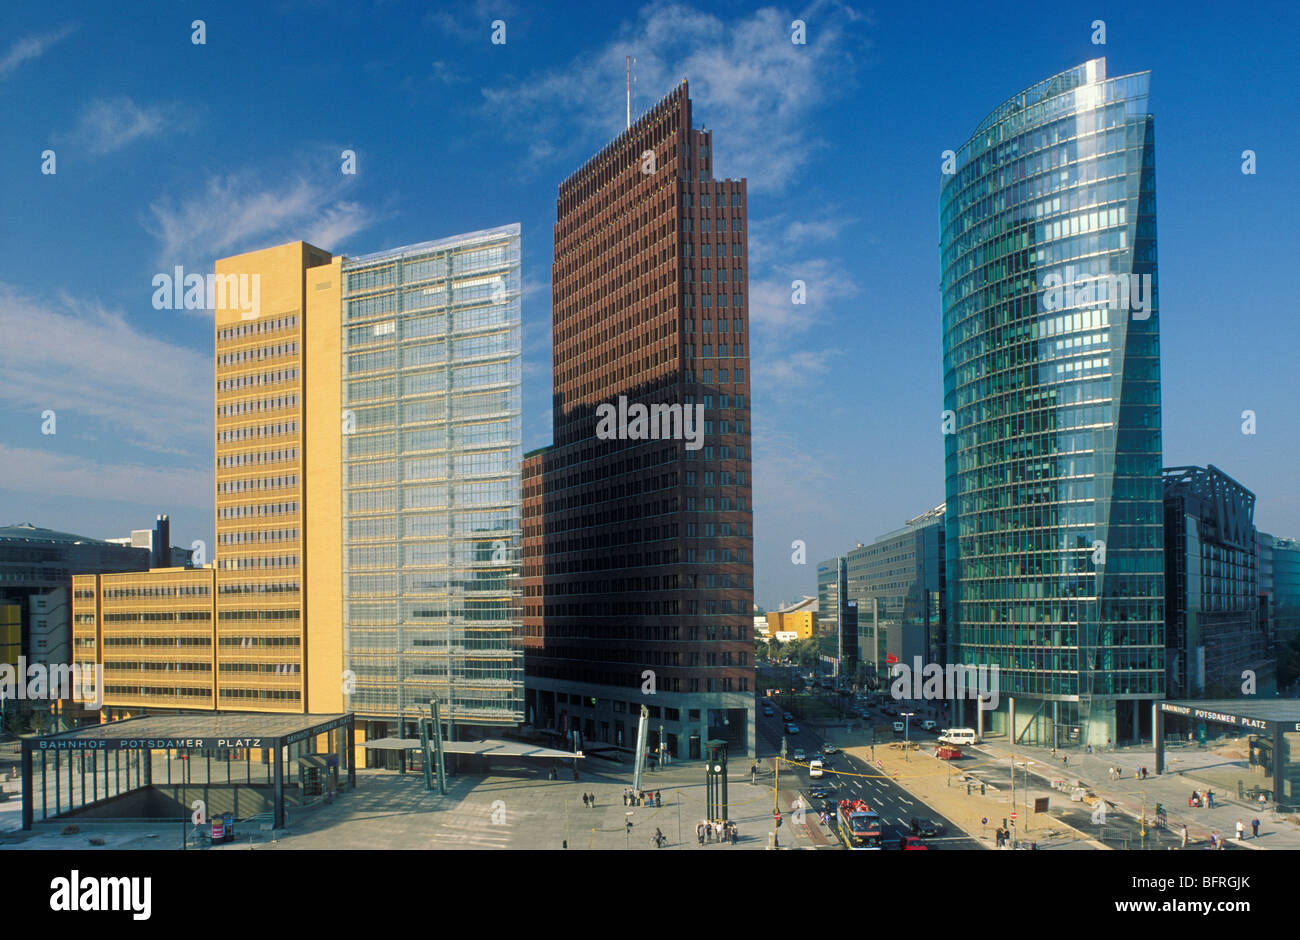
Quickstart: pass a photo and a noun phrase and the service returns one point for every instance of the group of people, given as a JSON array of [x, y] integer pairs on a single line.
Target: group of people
[[1117, 773], [708, 830], [589, 800], [1003, 836], [641, 797], [1197, 800]]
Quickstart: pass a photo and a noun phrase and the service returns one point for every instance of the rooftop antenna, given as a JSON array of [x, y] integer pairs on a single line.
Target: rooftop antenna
[[630, 62]]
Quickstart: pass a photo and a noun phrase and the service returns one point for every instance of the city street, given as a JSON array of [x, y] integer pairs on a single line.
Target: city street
[[849, 777]]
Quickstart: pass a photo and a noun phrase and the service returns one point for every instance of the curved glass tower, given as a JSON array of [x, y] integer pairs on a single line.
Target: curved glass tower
[[1051, 365]]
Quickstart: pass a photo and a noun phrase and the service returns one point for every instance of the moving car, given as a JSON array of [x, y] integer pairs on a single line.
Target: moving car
[[898, 727], [798, 754], [815, 768], [923, 826], [929, 724], [821, 792], [958, 736], [912, 844], [829, 749], [791, 728], [767, 712], [947, 752], [786, 716]]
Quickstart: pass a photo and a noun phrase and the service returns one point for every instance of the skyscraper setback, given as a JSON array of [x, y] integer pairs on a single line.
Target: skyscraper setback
[[638, 557]]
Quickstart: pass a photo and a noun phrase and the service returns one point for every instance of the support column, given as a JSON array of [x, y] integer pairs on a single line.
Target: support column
[[1137, 725], [352, 755], [27, 786], [277, 814], [146, 768], [1158, 736], [1279, 761]]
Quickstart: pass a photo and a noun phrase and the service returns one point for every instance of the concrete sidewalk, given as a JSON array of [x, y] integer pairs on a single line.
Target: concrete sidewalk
[[1171, 789]]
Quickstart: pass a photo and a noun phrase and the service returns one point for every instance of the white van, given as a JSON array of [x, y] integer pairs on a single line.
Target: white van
[[815, 768], [958, 736]]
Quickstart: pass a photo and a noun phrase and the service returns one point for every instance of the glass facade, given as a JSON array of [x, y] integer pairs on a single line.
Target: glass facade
[[897, 584], [832, 615], [1052, 373], [432, 448]]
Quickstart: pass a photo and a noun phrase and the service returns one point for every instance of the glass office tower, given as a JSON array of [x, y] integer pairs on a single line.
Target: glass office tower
[[1052, 372], [432, 447]]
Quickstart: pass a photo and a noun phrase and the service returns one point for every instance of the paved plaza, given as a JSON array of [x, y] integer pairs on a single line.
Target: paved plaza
[[506, 809]]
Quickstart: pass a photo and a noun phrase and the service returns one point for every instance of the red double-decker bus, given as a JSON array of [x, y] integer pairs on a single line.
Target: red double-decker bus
[[859, 827]]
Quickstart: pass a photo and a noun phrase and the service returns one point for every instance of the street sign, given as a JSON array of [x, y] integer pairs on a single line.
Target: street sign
[[1013, 816]]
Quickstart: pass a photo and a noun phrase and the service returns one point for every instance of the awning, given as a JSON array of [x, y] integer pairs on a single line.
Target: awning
[[480, 748]]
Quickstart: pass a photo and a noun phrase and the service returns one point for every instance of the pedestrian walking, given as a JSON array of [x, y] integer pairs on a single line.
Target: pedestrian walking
[[584, 799], [1184, 845], [1241, 830], [659, 798], [1262, 801], [1209, 799], [699, 833], [1108, 744], [1254, 825], [1065, 759], [1214, 839]]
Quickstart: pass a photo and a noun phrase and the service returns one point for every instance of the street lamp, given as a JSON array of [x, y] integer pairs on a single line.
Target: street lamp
[[907, 736]]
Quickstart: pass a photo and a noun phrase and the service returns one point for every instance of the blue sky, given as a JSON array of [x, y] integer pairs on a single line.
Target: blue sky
[[173, 153]]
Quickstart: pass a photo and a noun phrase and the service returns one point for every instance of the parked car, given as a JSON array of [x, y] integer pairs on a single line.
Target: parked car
[[898, 727], [923, 826], [947, 752], [929, 724]]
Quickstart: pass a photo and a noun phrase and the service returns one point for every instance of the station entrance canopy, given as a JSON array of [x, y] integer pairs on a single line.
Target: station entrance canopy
[[129, 759], [1276, 721]]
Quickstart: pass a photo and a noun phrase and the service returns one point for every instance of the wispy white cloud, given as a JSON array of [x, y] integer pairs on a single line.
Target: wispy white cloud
[[748, 81], [107, 125], [102, 377], [50, 473], [31, 47], [242, 211]]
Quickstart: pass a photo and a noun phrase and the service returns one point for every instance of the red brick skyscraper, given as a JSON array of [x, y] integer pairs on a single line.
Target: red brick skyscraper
[[638, 553]]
